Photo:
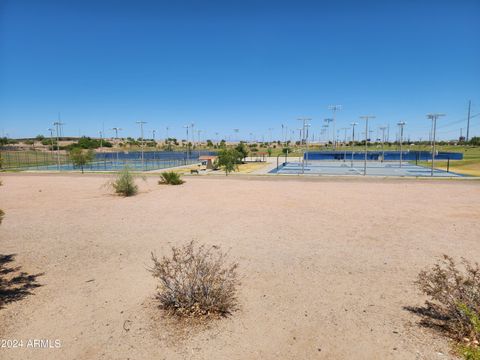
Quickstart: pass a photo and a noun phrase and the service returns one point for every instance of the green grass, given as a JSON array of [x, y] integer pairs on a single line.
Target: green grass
[[470, 165]]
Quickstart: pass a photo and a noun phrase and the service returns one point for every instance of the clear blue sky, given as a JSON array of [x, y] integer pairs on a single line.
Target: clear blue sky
[[244, 64]]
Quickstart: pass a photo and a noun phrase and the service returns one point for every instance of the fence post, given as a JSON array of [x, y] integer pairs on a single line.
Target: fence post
[[448, 164]]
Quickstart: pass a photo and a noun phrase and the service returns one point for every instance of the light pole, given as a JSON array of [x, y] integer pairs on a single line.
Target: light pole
[[401, 124], [344, 143], [51, 140], [366, 117], [188, 144], [334, 108], [325, 132], [304, 132], [193, 135], [57, 125], [328, 121], [353, 139], [143, 142], [434, 118], [383, 128], [101, 140], [116, 129]]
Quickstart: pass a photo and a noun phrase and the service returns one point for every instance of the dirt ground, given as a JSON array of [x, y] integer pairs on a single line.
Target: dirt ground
[[327, 267]]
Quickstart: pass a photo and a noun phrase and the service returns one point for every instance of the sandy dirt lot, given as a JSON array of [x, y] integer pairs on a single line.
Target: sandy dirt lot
[[327, 266]]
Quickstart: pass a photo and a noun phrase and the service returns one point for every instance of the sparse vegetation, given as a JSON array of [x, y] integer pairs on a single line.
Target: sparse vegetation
[[124, 184], [170, 178], [80, 157], [454, 304], [196, 281]]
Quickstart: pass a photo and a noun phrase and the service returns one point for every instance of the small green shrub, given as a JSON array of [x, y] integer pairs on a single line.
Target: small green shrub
[[170, 178], [469, 352], [124, 184], [196, 282]]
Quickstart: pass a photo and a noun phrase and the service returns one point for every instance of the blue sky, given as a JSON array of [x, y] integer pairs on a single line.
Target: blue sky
[[251, 65]]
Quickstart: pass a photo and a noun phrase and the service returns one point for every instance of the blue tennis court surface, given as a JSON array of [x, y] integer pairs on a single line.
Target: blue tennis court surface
[[374, 168]]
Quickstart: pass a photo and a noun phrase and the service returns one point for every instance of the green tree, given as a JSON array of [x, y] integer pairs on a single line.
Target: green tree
[[228, 160], [475, 141], [80, 157], [242, 149], [269, 151], [209, 143]]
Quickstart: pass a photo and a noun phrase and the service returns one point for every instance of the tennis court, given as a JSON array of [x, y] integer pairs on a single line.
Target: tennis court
[[374, 168]]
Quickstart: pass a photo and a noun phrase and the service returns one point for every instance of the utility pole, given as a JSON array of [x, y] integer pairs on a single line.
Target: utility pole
[[383, 128], [101, 140], [434, 118], [401, 124], [143, 141], [167, 128], [366, 117], [353, 139], [334, 108], [468, 120]]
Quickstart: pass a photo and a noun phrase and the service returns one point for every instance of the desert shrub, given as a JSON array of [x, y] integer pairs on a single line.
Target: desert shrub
[[196, 281], [454, 298], [124, 184], [170, 178], [80, 157]]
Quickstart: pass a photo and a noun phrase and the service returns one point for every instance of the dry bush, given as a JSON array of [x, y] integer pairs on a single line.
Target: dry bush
[[170, 178], [124, 183], [455, 298], [196, 281]]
